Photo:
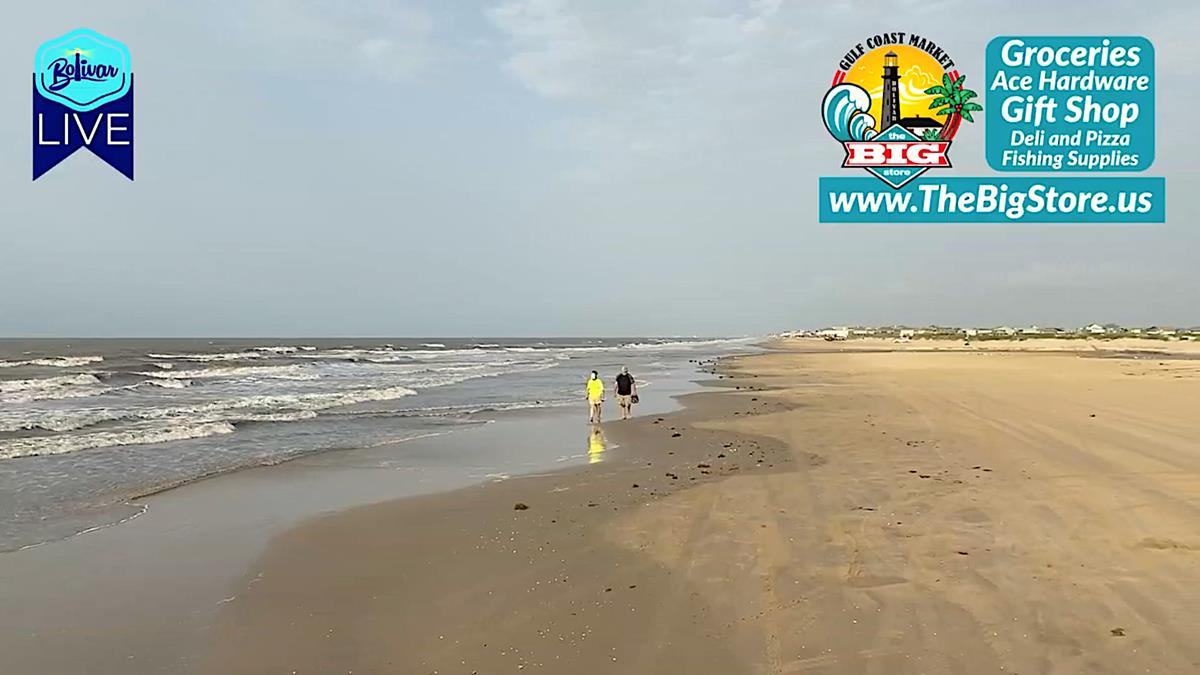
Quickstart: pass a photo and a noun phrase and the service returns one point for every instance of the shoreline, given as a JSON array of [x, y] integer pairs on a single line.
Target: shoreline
[[912, 512], [478, 417], [166, 572], [576, 497]]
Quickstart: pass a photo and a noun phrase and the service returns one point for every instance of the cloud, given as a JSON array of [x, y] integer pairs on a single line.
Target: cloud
[[641, 85], [373, 38]]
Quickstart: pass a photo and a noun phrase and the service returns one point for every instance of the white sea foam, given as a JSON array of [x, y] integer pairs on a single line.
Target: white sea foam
[[204, 358], [167, 383], [433, 345], [50, 388], [58, 445], [52, 420], [236, 409], [288, 372], [683, 344], [55, 361]]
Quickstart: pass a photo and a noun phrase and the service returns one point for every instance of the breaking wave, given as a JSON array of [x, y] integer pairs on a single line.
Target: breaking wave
[[55, 362], [51, 388], [288, 372], [58, 445]]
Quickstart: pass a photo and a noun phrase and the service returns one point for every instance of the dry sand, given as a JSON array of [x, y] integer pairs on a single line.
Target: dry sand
[[831, 511]]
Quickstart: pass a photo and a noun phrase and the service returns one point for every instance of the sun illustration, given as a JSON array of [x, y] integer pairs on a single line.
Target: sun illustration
[[918, 71], [82, 52]]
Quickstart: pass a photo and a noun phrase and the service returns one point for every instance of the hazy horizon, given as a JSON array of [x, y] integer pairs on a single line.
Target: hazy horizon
[[540, 168]]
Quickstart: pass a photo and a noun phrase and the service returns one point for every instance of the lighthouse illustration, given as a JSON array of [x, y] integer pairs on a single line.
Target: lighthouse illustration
[[891, 91]]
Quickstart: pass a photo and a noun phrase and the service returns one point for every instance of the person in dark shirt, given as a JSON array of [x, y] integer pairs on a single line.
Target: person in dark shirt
[[626, 393]]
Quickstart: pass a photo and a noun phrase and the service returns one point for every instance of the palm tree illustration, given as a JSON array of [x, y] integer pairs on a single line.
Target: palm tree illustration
[[957, 106]]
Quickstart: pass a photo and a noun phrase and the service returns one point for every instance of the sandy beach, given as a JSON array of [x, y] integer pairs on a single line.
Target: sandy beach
[[826, 508]]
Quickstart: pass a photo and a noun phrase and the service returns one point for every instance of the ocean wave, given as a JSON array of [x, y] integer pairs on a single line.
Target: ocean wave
[[220, 356], [52, 420], [51, 388], [166, 383], [684, 344], [59, 445], [349, 354], [433, 345], [54, 362], [287, 372], [259, 408], [276, 350]]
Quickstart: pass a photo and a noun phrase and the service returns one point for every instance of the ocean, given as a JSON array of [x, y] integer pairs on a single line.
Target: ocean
[[87, 425]]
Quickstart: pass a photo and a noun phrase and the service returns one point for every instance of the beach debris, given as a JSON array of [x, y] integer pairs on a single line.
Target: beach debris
[[963, 553], [520, 506], [672, 476], [1118, 632], [636, 485], [676, 435], [721, 455], [702, 466]]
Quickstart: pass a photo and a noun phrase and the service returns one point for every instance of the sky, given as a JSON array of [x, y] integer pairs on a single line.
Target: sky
[[541, 167]]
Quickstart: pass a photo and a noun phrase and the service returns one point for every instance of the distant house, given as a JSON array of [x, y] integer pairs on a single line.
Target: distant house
[[907, 332], [1032, 330], [835, 333], [1096, 329]]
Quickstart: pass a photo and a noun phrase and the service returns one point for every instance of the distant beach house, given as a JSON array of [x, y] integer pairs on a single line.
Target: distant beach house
[[836, 333], [1096, 329]]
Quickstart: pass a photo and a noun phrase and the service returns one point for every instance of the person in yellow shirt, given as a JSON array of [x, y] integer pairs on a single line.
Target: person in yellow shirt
[[595, 396]]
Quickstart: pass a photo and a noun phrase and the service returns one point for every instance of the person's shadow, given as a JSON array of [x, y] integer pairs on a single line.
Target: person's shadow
[[596, 446]]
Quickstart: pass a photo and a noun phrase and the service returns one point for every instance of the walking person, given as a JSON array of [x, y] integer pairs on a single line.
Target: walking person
[[595, 396], [626, 393]]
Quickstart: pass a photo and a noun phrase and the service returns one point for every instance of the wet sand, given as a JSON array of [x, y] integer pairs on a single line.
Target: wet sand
[[824, 509], [142, 596]]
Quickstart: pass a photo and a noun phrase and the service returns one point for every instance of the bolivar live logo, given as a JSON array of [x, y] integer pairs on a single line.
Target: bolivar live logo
[[875, 105], [82, 98]]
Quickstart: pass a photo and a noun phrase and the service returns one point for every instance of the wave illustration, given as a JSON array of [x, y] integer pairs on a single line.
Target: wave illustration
[[845, 113]]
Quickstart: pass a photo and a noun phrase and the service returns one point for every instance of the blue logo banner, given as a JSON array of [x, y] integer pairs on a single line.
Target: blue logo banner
[[82, 98], [1070, 104], [1008, 199]]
